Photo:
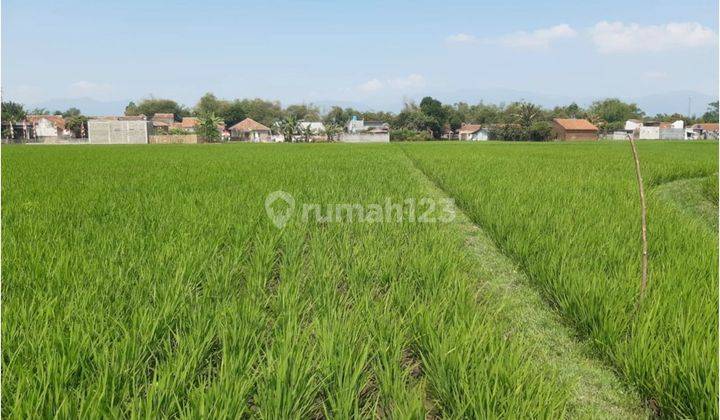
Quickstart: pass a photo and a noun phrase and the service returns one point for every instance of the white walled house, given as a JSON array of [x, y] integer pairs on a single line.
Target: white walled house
[[631, 125], [473, 132], [48, 125], [361, 131], [656, 130]]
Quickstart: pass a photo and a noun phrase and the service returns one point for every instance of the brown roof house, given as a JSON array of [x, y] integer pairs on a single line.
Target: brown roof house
[[164, 118], [574, 129], [189, 123], [47, 125], [705, 131], [472, 132], [250, 130]]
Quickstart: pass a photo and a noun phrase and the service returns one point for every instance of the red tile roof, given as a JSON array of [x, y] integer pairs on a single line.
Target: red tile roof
[[190, 122], [248, 124], [470, 128], [159, 115], [575, 124], [708, 126], [57, 120]]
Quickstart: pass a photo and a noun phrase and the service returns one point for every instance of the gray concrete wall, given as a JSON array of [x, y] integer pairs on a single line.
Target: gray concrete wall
[[672, 133], [365, 138], [118, 132], [174, 139]]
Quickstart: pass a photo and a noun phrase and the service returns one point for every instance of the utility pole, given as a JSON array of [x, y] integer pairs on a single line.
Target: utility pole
[[689, 106]]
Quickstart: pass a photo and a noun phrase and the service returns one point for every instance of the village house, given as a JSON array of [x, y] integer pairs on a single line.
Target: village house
[[18, 130], [250, 130], [656, 130], [162, 122], [164, 118], [48, 125], [472, 132], [189, 124], [705, 131], [574, 129], [361, 131]]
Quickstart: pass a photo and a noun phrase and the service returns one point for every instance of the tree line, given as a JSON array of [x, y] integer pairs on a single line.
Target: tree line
[[429, 118]]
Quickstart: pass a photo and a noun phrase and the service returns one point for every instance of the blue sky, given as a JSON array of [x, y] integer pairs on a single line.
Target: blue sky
[[372, 52]]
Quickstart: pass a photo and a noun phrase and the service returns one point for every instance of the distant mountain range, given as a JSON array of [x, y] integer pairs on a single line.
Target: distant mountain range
[[87, 106], [670, 102]]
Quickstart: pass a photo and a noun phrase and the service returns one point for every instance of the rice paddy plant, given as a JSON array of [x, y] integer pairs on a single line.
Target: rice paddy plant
[[568, 214], [148, 282]]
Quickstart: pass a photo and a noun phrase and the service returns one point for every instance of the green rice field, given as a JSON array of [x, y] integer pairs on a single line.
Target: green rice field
[[149, 281]]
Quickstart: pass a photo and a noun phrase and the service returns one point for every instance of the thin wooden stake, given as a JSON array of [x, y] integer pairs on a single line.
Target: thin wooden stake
[[643, 283]]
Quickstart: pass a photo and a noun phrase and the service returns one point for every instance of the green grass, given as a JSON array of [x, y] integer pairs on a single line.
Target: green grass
[[148, 281], [694, 197], [568, 214]]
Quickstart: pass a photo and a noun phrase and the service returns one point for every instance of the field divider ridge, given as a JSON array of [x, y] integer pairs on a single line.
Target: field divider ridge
[[596, 389]]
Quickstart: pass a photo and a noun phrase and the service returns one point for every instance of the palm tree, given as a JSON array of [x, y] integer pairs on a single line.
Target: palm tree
[[288, 127], [526, 113], [208, 127], [307, 133], [332, 131]]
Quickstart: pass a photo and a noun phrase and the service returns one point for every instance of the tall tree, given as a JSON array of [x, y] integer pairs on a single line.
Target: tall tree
[[71, 112], [433, 109], [614, 110], [333, 131], [13, 112], [264, 112], [288, 128], [152, 106], [77, 124], [525, 113], [234, 112], [208, 127], [307, 133], [209, 104], [340, 116], [131, 109], [39, 111], [712, 113], [304, 112]]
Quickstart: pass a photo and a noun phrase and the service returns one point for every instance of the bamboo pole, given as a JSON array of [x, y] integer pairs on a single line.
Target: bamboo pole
[[643, 217]]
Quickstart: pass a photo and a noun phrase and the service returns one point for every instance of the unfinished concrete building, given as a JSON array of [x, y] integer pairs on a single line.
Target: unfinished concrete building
[[114, 131]]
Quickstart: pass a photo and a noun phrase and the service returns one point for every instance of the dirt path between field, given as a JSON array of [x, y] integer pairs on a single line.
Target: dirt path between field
[[597, 391], [687, 196]]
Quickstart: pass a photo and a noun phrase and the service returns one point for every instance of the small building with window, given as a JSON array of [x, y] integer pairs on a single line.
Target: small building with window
[[250, 130], [472, 132], [574, 129]]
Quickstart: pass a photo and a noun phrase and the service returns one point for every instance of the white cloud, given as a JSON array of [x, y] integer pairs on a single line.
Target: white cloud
[[90, 89], [619, 37], [400, 83], [461, 39], [411, 81], [371, 86], [537, 39]]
